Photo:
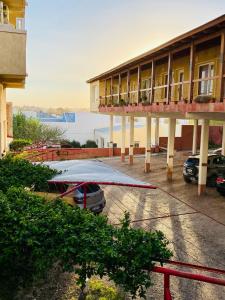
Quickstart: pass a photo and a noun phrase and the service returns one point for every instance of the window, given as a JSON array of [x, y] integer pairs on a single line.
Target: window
[[4, 13], [181, 85], [136, 144], [145, 84], [205, 87]]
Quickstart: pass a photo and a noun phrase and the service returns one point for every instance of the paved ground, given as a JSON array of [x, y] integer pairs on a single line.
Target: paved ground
[[194, 226]]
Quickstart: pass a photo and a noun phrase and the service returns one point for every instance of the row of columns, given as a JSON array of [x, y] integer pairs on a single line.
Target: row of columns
[[170, 146], [3, 121]]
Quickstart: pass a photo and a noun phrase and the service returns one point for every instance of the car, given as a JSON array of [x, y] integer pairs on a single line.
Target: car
[[220, 183], [215, 166], [95, 197]]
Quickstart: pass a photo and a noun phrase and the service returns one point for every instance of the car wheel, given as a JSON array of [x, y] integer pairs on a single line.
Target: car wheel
[[187, 180], [211, 182]]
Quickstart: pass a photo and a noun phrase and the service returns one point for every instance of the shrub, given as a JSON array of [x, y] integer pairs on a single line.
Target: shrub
[[90, 144], [35, 235], [19, 144], [20, 172]]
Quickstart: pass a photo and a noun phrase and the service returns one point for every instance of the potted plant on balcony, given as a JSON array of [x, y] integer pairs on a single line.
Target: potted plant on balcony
[[122, 102], [204, 99]]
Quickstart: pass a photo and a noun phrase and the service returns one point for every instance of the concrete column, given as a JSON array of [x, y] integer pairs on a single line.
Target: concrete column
[[123, 138], [223, 140], [157, 135], [170, 148], [9, 117], [202, 176], [3, 122], [131, 148], [148, 145], [111, 135], [195, 138]]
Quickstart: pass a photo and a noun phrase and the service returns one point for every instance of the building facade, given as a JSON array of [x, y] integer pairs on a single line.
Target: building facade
[[12, 61], [181, 79]]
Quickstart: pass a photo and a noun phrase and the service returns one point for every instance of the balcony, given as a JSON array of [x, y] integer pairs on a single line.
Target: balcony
[[12, 55]]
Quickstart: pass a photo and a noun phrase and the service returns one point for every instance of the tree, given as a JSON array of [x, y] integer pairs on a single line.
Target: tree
[[32, 129], [36, 234], [70, 144], [90, 144]]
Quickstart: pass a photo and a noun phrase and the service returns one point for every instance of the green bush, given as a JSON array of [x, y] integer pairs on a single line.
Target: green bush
[[19, 144], [90, 144], [70, 144], [19, 172], [35, 235]]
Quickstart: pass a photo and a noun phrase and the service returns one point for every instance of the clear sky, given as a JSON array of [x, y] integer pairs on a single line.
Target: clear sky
[[71, 41]]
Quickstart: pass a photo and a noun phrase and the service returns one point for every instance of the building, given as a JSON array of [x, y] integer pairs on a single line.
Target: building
[[12, 61], [181, 79]]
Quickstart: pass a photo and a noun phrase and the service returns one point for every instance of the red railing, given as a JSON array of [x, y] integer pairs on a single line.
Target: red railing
[[192, 276]]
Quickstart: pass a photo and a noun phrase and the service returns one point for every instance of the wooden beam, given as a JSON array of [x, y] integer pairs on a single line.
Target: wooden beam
[[119, 88], [169, 74], [139, 83], [152, 82], [128, 85], [221, 66], [191, 71]]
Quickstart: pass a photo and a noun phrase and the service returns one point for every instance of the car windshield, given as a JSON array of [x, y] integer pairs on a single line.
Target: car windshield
[[193, 161]]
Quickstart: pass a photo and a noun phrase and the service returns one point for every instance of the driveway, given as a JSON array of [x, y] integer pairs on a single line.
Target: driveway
[[195, 226]]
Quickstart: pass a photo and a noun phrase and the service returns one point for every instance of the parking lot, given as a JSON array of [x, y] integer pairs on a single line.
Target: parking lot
[[195, 226]]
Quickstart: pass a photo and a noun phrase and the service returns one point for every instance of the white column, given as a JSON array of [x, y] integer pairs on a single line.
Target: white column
[[148, 145], [123, 138], [3, 122], [9, 119], [195, 137], [157, 134], [223, 140], [202, 176], [170, 148], [111, 136], [131, 147]]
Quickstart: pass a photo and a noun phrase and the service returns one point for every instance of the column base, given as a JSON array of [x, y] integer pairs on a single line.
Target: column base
[[131, 159], [201, 189], [123, 157], [147, 167], [169, 174]]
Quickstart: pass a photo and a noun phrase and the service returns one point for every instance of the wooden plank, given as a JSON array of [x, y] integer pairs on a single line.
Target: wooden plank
[[191, 71], [221, 66], [169, 72], [152, 82]]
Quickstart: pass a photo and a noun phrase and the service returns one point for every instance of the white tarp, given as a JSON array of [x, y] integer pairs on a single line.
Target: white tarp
[[95, 171]]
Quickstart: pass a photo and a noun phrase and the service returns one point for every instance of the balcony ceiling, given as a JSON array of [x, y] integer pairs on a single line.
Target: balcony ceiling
[[16, 4]]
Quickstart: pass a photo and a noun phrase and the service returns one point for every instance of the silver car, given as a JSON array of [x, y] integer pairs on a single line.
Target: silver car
[[95, 197]]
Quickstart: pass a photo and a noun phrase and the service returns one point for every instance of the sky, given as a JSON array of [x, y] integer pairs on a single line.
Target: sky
[[71, 41]]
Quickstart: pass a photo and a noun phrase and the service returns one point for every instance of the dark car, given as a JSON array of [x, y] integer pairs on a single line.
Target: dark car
[[215, 166], [220, 183]]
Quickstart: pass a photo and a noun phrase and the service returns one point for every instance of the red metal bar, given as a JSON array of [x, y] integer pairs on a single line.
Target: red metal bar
[[188, 275], [85, 196], [167, 294], [72, 189], [107, 183]]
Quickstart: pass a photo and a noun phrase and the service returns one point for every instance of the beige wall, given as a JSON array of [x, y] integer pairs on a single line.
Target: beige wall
[[12, 54]]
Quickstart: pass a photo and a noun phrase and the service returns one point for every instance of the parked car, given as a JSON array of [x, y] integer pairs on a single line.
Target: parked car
[[220, 183], [215, 166], [95, 197]]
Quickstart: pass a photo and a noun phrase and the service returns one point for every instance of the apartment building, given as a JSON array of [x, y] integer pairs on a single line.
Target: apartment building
[[12, 61], [182, 79]]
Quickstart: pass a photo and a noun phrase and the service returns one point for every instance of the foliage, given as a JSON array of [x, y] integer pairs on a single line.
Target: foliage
[[101, 290], [19, 144], [20, 172], [90, 144], [35, 235], [70, 144], [34, 130]]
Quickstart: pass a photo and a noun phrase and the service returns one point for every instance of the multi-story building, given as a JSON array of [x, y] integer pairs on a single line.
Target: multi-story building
[[12, 61], [181, 79]]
